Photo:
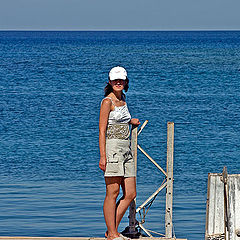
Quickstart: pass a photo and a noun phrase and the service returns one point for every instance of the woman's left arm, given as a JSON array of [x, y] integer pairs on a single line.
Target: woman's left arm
[[103, 121]]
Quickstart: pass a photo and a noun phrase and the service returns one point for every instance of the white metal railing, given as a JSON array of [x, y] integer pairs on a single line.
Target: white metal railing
[[167, 183]]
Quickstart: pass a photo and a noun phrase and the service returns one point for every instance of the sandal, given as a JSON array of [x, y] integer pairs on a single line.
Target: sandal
[[118, 238]]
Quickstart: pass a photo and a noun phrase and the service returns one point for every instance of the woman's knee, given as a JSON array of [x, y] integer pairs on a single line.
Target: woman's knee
[[131, 195], [112, 193], [112, 186], [134, 194]]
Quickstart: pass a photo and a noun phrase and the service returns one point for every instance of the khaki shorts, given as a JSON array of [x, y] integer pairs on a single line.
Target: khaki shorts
[[120, 162]]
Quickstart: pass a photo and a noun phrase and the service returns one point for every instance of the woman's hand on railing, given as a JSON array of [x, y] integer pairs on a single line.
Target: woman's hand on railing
[[135, 121]]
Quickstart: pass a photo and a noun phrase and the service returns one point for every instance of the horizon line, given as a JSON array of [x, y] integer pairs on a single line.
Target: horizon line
[[119, 30]]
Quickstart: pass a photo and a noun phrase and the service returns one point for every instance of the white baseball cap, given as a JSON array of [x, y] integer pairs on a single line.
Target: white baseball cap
[[118, 73]]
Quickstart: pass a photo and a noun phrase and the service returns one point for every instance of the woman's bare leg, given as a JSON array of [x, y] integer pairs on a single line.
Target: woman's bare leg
[[129, 193], [109, 206]]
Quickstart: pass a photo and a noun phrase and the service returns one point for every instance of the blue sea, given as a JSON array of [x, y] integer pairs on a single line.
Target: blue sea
[[51, 86]]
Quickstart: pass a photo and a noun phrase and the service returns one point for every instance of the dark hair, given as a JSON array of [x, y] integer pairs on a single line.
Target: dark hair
[[108, 89]]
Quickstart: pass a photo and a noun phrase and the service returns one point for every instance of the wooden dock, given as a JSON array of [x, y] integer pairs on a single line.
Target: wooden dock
[[80, 238], [223, 207]]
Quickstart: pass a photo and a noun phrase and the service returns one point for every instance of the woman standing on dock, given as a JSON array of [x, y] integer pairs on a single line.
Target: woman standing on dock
[[115, 154]]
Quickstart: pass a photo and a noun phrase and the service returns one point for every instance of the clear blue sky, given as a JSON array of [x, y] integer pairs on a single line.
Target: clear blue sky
[[119, 15]]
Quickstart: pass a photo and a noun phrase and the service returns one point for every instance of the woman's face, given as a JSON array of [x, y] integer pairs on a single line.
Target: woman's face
[[118, 84]]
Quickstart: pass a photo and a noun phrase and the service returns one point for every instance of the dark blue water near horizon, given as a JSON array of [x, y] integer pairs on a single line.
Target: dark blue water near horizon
[[51, 86]]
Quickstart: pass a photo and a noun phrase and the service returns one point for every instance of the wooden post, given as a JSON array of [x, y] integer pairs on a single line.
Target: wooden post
[[169, 187], [132, 207], [226, 222]]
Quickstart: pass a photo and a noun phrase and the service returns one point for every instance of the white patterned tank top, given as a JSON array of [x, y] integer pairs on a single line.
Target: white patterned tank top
[[119, 114], [118, 122]]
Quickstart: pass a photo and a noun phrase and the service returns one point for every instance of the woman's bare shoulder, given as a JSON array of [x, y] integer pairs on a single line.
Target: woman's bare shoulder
[[106, 101]]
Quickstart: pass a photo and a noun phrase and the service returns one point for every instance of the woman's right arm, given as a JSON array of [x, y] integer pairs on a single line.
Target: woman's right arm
[[103, 121]]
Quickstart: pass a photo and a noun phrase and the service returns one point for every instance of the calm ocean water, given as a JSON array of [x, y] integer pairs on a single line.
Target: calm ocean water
[[51, 85]]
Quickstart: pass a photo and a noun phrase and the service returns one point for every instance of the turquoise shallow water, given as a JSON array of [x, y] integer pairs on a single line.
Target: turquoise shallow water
[[51, 86]]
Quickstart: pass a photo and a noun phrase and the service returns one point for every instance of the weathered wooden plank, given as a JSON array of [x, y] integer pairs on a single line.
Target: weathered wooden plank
[[215, 206], [169, 187], [219, 206], [215, 220], [207, 207], [234, 206], [211, 209]]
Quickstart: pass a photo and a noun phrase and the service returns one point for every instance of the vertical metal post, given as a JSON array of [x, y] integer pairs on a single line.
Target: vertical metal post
[[169, 187], [132, 207]]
